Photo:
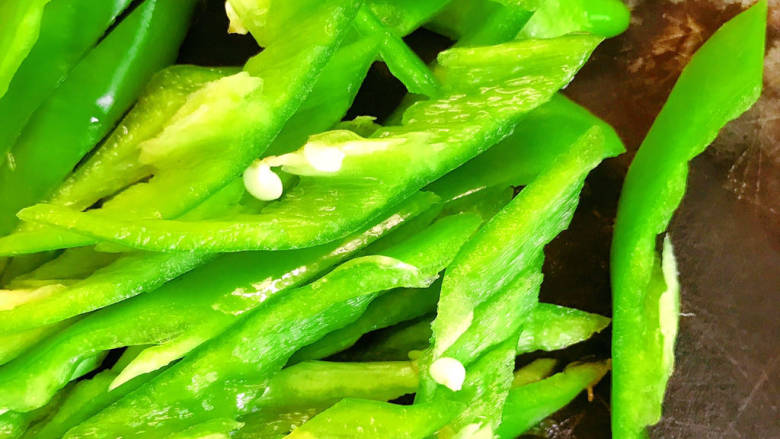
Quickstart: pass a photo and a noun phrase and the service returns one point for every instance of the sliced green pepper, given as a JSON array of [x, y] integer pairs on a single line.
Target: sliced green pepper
[[128, 276], [230, 98], [86, 106], [528, 404], [473, 115], [179, 316], [223, 377], [391, 308], [722, 80], [552, 327], [69, 28]]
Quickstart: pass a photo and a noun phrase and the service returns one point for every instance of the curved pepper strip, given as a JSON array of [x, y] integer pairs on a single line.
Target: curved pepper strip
[[722, 80], [180, 315], [222, 378], [86, 106], [69, 29], [21, 26], [541, 211], [469, 118], [528, 404]]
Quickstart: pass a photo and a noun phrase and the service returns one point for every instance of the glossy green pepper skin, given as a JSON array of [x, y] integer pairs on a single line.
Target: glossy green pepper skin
[[86, 106], [722, 80], [69, 29]]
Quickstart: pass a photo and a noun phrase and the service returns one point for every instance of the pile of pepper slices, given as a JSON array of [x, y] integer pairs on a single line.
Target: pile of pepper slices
[[225, 230]]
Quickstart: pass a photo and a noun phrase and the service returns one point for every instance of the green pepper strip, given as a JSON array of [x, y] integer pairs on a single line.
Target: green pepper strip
[[528, 404], [722, 80], [21, 27], [470, 118], [552, 327], [359, 418], [321, 383], [255, 106], [90, 101], [180, 315], [223, 377], [297, 393], [69, 28], [530, 149], [391, 308], [402, 62]]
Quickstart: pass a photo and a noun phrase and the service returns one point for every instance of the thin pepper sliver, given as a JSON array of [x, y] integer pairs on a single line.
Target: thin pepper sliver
[[722, 80]]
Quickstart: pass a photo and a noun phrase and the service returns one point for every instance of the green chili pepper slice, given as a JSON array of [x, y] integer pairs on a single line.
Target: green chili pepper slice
[[722, 80]]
